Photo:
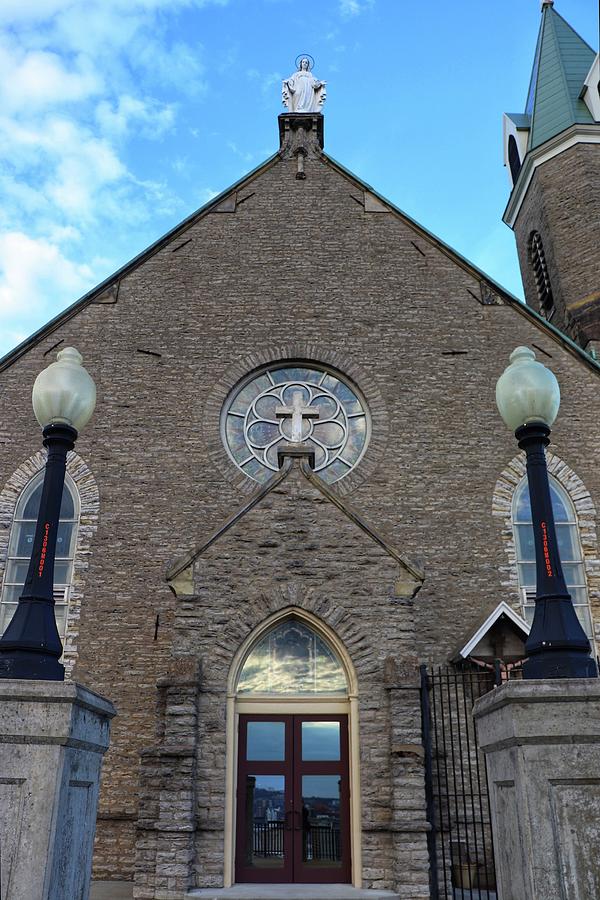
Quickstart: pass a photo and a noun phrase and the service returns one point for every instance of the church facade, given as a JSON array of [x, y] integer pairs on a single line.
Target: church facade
[[296, 488]]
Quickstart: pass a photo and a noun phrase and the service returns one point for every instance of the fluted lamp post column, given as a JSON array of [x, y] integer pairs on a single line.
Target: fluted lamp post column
[[64, 397], [528, 398]]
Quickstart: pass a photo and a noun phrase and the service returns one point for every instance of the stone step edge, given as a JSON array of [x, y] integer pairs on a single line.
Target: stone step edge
[[291, 892]]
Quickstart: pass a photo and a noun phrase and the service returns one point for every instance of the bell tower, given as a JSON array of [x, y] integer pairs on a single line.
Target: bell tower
[[552, 152]]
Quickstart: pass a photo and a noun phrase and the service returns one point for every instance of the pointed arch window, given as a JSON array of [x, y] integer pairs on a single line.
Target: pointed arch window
[[569, 546], [21, 542], [291, 658], [540, 272]]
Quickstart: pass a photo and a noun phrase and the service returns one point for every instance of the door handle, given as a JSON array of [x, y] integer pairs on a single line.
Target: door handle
[[298, 823], [286, 821]]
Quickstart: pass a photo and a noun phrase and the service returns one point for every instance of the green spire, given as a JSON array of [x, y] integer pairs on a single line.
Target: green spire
[[562, 61]]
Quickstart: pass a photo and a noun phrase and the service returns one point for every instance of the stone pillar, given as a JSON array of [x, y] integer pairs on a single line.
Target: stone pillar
[[53, 735], [409, 823], [541, 741], [166, 828]]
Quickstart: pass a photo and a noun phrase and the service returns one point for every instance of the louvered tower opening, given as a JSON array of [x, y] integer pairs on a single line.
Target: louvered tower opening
[[542, 278], [514, 159]]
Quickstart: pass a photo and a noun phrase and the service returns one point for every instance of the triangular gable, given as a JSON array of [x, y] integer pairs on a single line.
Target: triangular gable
[[492, 293], [179, 573], [110, 284], [503, 609]]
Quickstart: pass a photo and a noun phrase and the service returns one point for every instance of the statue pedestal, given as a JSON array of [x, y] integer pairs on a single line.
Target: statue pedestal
[[300, 133], [541, 741], [53, 736]]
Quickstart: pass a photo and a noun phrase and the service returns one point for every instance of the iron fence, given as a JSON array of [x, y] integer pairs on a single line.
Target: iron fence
[[267, 838], [461, 848], [319, 842]]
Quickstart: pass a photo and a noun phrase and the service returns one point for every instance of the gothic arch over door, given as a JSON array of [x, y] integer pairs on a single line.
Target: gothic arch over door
[[292, 683]]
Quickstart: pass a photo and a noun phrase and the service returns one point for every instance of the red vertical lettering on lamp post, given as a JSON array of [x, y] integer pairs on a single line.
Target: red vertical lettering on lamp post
[[44, 547]]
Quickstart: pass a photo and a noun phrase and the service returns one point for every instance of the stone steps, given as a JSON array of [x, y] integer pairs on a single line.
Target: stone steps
[[290, 892]]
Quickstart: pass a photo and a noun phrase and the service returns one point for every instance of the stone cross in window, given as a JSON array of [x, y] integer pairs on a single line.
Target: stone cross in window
[[298, 412]]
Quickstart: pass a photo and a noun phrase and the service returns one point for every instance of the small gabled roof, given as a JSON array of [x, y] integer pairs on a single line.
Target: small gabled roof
[[521, 121], [561, 64], [502, 610]]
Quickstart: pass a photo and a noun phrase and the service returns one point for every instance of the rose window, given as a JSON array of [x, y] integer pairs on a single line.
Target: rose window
[[293, 405]]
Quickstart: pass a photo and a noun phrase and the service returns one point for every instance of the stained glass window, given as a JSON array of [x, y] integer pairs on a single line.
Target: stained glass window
[[569, 548], [331, 417], [292, 659], [21, 543]]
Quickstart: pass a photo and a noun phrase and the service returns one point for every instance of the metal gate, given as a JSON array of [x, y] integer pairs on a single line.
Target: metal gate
[[461, 849]]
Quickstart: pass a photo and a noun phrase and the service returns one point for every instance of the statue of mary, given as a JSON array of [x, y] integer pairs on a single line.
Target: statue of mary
[[301, 92]]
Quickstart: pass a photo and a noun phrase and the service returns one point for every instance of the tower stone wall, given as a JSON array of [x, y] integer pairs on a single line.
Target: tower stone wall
[[562, 204]]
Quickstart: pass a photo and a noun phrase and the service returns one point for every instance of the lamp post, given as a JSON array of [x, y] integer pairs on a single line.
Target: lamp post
[[64, 397], [528, 398]]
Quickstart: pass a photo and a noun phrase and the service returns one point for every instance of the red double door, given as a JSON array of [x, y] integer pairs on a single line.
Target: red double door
[[293, 809]]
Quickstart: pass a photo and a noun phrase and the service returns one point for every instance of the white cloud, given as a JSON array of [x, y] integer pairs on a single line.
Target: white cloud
[[147, 116], [31, 80], [242, 154], [80, 82], [72, 163], [24, 12], [29, 267], [207, 194], [266, 81], [354, 7]]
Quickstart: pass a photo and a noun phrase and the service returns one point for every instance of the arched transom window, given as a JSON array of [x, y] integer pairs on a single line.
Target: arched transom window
[[291, 658], [569, 546], [290, 403], [20, 545]]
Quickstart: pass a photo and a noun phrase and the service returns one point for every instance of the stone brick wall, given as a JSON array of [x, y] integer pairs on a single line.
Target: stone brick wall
[[296, 551], [168, 778], [562, 204], [299, 262]]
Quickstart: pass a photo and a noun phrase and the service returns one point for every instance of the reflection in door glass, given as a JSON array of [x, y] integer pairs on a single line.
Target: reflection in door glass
[[292, 659], [320, 740], [266, 741], [321, 844], [263, 841]]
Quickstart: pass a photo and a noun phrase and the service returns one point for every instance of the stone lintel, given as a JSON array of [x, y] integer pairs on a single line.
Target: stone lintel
[[300, 133]]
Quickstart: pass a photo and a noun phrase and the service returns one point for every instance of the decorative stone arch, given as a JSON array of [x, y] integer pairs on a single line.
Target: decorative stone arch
[[585, 511], [89, 505], [308, 353], [302, 704]]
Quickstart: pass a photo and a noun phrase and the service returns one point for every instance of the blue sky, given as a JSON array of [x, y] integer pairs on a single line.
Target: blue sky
[[120, 117]]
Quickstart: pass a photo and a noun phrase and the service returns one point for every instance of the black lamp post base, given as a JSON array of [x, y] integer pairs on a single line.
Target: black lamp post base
[[560, 664], [31, 666]]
